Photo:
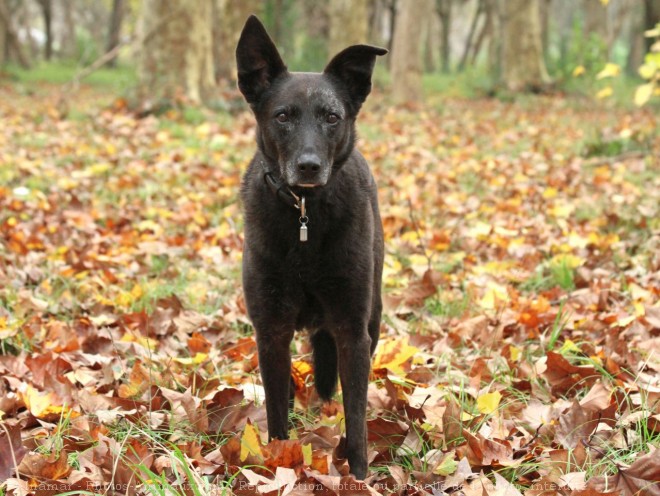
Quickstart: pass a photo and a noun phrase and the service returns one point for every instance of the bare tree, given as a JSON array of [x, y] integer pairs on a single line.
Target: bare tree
[[176, 57], [228, 20], [114, 29], [523, 67], [481, 9], [47, 12], [68, 34], [10, 44], [406, 63], [443, 8]]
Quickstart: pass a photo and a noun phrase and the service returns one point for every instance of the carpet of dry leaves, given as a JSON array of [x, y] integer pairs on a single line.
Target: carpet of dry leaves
[[521, 336]]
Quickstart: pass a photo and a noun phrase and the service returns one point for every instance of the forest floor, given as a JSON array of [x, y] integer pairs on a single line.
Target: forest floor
[[521, 332]]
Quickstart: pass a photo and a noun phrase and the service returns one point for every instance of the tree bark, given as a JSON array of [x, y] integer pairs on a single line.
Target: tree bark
[[406, 51], [176, 56], [349, 24], [444, 11], [47, 12], [468, 41], [68, 40], [12, 45], [523, 68], [114, 30], [486, 31], [229, 17]]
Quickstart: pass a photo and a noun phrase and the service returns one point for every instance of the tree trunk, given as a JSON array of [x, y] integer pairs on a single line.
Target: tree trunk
[[444, 11], [486, 31], [523, 68], [468, 41], [13, 47], [349, 24], [176, 56], [47, 11], [565, 11], [431, 36], [114, 30], [68, 41], [636, 42], [392, 9], [406, 51], [229, 17]]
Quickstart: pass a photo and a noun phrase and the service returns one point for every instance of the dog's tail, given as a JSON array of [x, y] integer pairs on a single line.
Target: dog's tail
[[325, 363]]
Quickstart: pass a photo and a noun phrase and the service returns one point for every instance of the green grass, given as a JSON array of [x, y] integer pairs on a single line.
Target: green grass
[[61, 72]]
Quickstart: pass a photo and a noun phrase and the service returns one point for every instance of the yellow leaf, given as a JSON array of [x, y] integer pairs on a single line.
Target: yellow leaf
[[489, 402], [567, 260], [643, 94], [647, 71], [578, 71], [99, 168], [480, 230], [550, 192], [392, 354], [610, 70], [605, 2], [196, 360], [250, 442], [447, 466], [494, 296], [515, 352], [569, 347], [605, 93], [307, 454], [43, 404]]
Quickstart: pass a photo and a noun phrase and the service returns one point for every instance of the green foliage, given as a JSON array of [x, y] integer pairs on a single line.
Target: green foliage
[[118, 79]]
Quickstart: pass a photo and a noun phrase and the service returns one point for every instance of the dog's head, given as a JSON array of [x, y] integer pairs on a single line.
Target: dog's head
[[306, 120]]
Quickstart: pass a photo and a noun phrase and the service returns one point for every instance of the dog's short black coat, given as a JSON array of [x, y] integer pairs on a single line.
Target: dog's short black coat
[[329, 284]]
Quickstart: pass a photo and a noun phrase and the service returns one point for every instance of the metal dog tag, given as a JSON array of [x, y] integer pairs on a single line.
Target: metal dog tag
[[303, 232]]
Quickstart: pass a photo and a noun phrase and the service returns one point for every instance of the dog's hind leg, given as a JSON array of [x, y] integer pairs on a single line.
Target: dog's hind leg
[[325, 363], [275, 366]]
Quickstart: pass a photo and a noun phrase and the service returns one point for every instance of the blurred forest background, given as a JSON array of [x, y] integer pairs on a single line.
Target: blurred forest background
[[182, 49]]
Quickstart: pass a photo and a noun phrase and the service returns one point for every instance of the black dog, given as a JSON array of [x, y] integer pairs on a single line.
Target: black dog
[[313, 253]]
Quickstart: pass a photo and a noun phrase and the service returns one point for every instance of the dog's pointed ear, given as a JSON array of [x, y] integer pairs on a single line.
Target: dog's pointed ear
[[257, 60], [353, 66]]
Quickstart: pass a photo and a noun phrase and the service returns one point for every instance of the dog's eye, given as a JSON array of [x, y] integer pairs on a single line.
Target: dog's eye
[[332, 119], [282, 117]]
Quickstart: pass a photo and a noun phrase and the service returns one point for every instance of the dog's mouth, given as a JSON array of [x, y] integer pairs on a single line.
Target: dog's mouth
[[308, 185]]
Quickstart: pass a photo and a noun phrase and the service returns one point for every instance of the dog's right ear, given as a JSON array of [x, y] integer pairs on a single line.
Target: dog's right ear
[[257, 60]]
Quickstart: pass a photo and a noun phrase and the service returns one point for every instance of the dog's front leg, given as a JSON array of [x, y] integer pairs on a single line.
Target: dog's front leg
[[354, 365], [275, 366]]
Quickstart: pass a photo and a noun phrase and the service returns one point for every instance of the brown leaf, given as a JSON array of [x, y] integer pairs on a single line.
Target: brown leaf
[[39, 466], [12, 449], [642, 478], [576, 425], [562, 376]]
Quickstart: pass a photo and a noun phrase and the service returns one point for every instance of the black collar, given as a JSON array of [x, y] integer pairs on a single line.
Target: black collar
[[280, 188]]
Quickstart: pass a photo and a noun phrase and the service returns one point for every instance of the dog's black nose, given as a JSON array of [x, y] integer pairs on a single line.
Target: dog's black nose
[[309, 166]]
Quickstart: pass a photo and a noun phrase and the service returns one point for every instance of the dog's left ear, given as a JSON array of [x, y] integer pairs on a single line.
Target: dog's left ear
[[257, 60], [353, 66]]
